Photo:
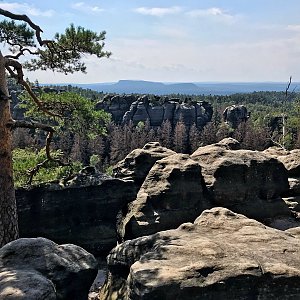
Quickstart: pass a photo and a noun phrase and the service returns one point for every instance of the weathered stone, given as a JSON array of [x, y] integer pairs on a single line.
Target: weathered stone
[[235, 114], [26, 285], [169, 108], [204, 113], [36, 267], [141, 113], [294, 186], [156, 115], [129, 108], [248, 182], [76, 211], [290, 159], [137, 164], [172, 193], [223, 255], [186, 113], [230, 144]]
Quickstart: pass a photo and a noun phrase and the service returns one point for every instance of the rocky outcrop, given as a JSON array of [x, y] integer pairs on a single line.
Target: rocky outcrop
[[137, 164], [172, 193], [141, 108], [40, 269], [290, 159], [76, 210], [222, 255], [248, 182], [235, 115]]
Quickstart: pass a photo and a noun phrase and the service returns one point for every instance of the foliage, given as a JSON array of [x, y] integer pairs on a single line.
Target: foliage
[[16, 34], [64, 53], [78, 113], [26, 159]]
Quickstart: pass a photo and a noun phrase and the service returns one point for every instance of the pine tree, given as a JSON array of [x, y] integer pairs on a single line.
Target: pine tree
[[180, 137], [62, 54], [165, 134]]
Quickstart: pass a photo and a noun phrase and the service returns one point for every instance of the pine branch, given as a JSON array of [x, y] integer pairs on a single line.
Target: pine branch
[[19, 76], [27, 20]]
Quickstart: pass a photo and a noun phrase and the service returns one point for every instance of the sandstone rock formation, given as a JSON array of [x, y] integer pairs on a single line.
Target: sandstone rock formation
[[140, 108], [291, 161], [248, 182], [223, 255], [136, 165], [235, 114], [40, 269], [172, 193], [75, 211]]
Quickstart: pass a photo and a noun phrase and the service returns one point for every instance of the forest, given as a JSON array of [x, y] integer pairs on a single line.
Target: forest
[[90, 137]]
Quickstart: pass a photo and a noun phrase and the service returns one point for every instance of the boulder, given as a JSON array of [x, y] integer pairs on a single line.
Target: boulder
[[172, 193], [235, 114], [40, 269], [222, 255], [294, 186], [290, 159], [229, 143], [137, 164], [26, 285], [204, 112], [75, 210], [248, 182]]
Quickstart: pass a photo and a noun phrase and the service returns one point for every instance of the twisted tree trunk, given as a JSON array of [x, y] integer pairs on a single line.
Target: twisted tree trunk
[[8, 209]]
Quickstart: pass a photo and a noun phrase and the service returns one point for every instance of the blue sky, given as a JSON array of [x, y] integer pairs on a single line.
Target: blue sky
[[178, 41]]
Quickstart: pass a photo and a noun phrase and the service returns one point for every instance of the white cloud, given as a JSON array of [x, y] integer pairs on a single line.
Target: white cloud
[[293, 27], [215, 12], [158, 11], [26, 8], [84, 7]]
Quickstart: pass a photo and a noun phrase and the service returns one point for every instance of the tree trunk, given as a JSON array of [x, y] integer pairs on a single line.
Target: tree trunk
[[8, 209]]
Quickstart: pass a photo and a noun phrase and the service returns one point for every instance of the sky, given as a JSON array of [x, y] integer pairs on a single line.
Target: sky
[[177, 41]]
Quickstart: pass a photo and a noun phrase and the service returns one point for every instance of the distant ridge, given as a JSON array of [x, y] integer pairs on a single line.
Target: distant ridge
[[199, 88]]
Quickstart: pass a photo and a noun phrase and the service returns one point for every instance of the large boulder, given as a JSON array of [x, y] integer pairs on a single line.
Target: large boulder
[[75, 210], [248, 182], [172, 193], [235, 115], [223, 255], [40, 269], [290, 159], [136, 165]]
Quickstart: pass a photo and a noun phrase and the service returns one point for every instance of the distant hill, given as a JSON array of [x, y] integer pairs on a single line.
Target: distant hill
[[199, 88]]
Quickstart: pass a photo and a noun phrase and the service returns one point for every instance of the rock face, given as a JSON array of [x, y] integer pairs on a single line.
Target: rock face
[[291, 161], [76, 212], [248, 182], [133, 108], [235, 114], [172, 193], [223, 255], [40, 269], [136, 165]]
